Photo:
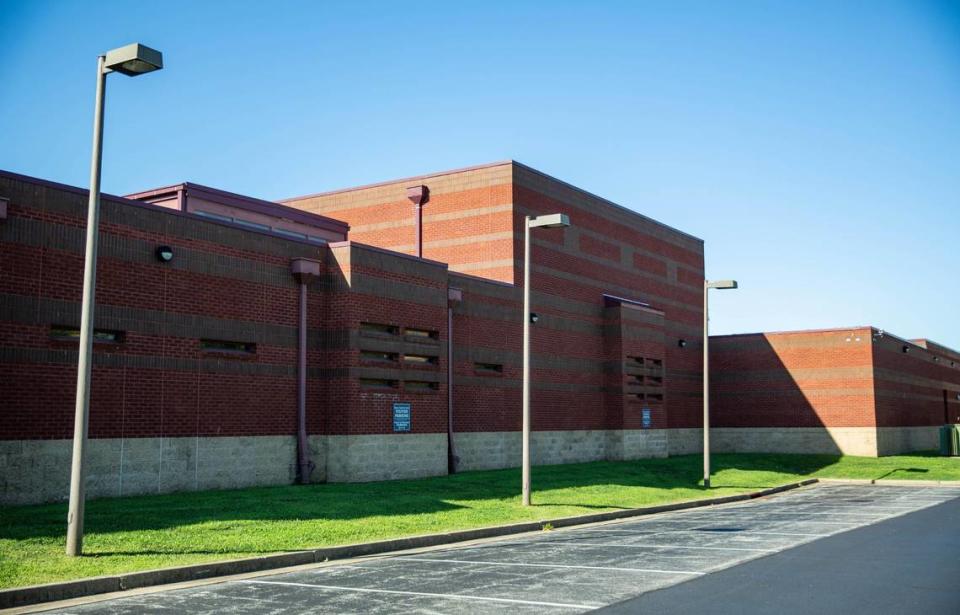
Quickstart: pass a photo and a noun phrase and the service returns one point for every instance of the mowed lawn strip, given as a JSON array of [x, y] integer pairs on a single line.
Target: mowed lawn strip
[[146, 532]]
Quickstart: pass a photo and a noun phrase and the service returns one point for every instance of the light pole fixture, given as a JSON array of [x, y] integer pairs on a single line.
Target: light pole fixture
[[131, 60], [547, 221], [707, 285]]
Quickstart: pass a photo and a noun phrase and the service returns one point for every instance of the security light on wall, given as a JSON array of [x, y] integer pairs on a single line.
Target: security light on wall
[[534, 317], [682, 343], [905, 349], [164, 254]]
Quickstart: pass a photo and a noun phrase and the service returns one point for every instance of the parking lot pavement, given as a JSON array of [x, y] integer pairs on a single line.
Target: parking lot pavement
[[563, 571]]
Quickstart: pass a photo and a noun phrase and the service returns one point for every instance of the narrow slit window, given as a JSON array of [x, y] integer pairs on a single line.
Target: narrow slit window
[[420, 359], [286, 233], [418, 385], [654, 397], [375, 328], [72, 334], [213, 216], [637, 380], [422, 334], [638, 361], [227, 346], [253, 225], [656, 380], [488, 368], [378, 383], [377, 356], [655, 362]]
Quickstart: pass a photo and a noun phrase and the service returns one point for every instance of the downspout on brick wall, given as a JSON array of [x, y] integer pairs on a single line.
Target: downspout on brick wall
[[454, 297], [304, 270], [418, 195]]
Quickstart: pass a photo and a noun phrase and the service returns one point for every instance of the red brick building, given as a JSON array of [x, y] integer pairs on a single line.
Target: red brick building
[[413, 330], [858, 391], [195, 369]]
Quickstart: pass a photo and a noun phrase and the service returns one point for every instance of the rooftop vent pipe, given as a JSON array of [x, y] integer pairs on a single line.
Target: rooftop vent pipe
[[418, 195]]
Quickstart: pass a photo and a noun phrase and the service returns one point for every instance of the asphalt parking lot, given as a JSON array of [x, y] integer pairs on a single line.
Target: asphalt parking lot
[[562, 571]]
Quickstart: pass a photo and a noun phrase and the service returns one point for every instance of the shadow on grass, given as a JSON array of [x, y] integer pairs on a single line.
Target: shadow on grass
[[895, 470], [373, 502], [89, 554], [590, 506]]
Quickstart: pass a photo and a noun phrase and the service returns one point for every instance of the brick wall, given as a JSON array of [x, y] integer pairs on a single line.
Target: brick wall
[[917, 387], [377, 321], [474, 222], [855, 377], [223, 284]]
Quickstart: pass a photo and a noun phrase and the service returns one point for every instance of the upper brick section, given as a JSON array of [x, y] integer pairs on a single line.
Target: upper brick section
[[473, 221], [467, 220]]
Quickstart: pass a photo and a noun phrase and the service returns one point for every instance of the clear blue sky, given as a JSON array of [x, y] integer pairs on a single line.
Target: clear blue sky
[[815, 146]]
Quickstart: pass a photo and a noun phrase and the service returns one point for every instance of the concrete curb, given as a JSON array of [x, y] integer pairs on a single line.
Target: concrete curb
[[891, 481], [35, 594]]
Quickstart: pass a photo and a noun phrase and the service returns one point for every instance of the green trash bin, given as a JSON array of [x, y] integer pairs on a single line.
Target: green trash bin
[[945, 437], [950, 440]]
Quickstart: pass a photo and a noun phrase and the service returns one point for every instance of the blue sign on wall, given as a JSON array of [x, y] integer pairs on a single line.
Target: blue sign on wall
[[401, 416], [645, 419]]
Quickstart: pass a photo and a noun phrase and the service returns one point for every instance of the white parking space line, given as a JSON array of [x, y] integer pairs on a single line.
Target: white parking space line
[[761, 517], [365, 590], [706, 529], [802, 513], [486, 563], [649, 546]]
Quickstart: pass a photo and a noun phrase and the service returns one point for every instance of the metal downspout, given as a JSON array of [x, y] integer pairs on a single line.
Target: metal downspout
[[418, 195], [303, 270], [454, 296]]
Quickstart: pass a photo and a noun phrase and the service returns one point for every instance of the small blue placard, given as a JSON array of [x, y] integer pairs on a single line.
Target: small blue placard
[[401, 416], [645, 418]]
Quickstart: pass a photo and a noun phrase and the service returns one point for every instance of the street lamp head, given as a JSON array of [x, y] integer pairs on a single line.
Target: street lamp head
[[721, 284], [133, 60], [550, 221]]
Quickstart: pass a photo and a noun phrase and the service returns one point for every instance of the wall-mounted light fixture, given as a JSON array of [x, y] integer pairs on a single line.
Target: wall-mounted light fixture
[[905, 349], [164, 254], [936, 358], [534, 317], [682, 343]]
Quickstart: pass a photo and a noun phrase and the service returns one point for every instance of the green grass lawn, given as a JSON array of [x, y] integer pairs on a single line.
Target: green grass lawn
[[140, 533]]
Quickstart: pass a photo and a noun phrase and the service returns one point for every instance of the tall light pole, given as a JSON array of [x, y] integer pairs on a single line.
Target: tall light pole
[[707, 285], [131, 60], [547, 221]]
